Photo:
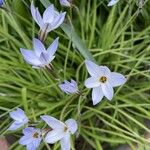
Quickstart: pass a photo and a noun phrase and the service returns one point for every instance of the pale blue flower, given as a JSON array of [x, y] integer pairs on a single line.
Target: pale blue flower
[[20, 119], [102, 81], [69, 87], [40, 57], [1, 2], [60, 131], [51, 19], [32, 138], [66, 3], [112, 2]]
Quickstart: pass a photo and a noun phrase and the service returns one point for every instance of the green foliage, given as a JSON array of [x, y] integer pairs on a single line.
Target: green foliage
[[118, 37]]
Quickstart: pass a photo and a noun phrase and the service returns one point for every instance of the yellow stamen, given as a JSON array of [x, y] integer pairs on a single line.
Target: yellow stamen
[[36, 135], [103, 79], [65, 129]]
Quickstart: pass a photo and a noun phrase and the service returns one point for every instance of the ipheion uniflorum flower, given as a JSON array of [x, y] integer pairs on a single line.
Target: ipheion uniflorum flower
[[40, 57], [51, 18], [60, 131], [20, 119], [32, 138], [69, 87], [102, 81]]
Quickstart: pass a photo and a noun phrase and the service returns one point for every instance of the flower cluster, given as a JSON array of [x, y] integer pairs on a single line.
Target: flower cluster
[[101, 80], [33, 136]]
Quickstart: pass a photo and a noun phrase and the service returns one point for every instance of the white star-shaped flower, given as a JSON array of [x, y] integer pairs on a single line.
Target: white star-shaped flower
[[102, 81], [60, 131], [32, 138]]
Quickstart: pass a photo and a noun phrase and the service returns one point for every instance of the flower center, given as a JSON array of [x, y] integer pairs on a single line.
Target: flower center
[[65, 129], [103, 79], [36, 135]]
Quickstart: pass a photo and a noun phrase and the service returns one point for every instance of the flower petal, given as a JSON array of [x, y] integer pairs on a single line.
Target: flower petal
[[54, 136], [50, 59], [36, 15], [30, 130], [52, 48], [97, 95], [74, 83], [44, 58], [26, 139], [91, 82], [65, 142], [53, 122], [72, 125], [30, 57], [95, 70], [48, 15], [92, 68], [37, 142], [107, 90], [30, 146], [38, 47], [18, 115], [15, 125], [104, 71], [58, 20], [117, 79]]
